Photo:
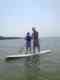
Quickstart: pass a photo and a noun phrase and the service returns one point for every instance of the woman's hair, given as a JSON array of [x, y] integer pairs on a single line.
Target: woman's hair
[[28, 33]]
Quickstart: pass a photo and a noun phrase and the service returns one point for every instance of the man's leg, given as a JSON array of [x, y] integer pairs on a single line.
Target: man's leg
[[38, 47], [33, 49]]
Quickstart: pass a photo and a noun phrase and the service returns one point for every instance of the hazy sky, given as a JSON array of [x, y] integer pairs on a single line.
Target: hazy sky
[[19, 16]]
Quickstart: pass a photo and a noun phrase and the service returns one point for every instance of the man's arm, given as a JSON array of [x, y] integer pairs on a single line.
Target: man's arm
[[32, 35]]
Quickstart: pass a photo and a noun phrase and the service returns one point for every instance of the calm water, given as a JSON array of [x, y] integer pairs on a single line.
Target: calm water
[[44, 67], [14, 46]]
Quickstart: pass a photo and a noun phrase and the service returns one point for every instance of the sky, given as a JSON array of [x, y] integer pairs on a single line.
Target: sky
[[19, 16]]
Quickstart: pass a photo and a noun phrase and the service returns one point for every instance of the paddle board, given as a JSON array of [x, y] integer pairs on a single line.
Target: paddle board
[[27, 55]]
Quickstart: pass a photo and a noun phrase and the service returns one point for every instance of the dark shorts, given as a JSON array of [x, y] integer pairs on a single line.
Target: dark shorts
[[35, 43]]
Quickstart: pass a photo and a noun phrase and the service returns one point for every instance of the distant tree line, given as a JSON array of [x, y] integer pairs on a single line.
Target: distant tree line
[[3, 38]]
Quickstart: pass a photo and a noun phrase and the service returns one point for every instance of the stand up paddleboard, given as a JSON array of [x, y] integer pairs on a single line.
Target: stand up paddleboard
[[26, 55]]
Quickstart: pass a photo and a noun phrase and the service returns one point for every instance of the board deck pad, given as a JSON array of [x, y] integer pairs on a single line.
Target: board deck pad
[[27, 55]]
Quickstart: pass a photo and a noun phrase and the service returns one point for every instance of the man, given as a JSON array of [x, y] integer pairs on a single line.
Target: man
[[35, 37]]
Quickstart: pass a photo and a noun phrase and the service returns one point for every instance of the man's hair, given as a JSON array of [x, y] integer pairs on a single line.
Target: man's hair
[[33, 28]]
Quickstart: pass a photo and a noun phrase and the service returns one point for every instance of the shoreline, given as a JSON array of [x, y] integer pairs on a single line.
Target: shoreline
[[10, 38]]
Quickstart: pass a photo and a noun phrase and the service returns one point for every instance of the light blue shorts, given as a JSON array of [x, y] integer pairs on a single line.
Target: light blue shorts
[[28, 44]]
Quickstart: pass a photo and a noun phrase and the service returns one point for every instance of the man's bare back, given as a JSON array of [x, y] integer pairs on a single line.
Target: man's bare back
[[35, 40]]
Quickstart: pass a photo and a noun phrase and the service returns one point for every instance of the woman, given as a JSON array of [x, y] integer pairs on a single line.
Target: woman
[[28, 41]]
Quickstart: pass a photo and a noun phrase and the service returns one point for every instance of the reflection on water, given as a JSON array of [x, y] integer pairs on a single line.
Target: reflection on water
[[27, 68], [32, 68]]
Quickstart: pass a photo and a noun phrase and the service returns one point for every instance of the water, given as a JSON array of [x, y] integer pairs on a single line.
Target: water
[[14, 46], [44, 67]]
